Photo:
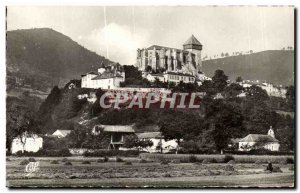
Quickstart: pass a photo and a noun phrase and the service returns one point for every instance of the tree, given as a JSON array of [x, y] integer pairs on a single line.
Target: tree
[[148, 69], [96, 108], [239, 79], [219, 80], [179, 125], [20, 121], [233, 90], [207, 86], [132, 141], [257, 94], [78, 136], [225, 122], [290, 97]]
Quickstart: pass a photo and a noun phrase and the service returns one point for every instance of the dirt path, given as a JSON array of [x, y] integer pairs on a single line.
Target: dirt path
[[257, 180]]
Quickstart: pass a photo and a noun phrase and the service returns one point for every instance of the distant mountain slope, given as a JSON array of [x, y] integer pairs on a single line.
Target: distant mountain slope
[[275, 66], [48, 53]]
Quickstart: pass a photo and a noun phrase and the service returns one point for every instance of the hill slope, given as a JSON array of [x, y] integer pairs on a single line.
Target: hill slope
[[276, 66], [49, 54]]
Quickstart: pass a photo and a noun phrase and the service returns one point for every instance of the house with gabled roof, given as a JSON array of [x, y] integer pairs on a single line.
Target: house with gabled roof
[[259, 141], [159, 143], [116, 133], [61, 133], [105, 78]]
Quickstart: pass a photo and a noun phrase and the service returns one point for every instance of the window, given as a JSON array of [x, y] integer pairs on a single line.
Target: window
[[116, 137]]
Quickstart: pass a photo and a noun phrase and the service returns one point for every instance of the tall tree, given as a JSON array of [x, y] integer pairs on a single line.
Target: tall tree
[[219, 80]]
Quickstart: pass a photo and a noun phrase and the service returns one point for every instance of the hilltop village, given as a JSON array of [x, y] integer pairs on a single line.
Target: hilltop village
[[163, 70]]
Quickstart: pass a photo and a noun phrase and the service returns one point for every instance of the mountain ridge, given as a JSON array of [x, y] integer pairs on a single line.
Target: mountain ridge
[[50, 54], [274, 66]]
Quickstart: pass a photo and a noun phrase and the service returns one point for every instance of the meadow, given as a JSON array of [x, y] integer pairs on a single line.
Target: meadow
[[137, 172]]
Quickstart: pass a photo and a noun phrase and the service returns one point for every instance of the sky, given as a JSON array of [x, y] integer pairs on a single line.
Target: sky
[[117, 32]]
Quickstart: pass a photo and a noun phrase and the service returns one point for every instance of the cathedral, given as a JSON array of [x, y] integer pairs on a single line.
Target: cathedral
[[164, 59]]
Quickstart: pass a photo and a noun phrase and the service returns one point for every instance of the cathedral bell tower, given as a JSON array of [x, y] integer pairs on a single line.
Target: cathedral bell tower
[[194, 46]]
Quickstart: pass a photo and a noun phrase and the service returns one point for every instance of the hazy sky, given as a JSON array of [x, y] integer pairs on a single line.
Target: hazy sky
[[117, 32]]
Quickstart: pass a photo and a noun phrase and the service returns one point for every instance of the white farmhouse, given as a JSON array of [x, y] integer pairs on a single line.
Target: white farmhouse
[[29, 143], [159, 144], [252, 141], [105, 78]]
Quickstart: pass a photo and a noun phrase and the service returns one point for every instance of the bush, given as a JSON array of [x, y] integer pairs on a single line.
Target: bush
[[143, 161], [259, 162], [68, 163], [106, 159], [164, 162], [127, 163], [46, 153], [289, 160], [24, 162], [198, 163], [228, 158], [291, 168], [112, 153], [7, 159], [100, 160], [167, 175], [213, 160], [64, 160], [231, 162], [86, 162], [176, 161], [276, 169], [193, 159], [73, 177], [54, 162], [229, 168], [205, 161], [31, 159], [118, 159]]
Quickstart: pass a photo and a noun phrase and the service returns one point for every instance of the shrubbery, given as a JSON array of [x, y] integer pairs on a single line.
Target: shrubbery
[[118, 159], [227, 158], [143, 161], [68, 163], [111, 153], [31, 159], [289, 160], [24, 162], [229, 168], [54, 162], [127, 163], [86, 162], [46, 153], [193, 159]]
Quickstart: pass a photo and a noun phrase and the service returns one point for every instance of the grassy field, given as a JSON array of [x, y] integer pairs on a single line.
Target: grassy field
[[150, 174]]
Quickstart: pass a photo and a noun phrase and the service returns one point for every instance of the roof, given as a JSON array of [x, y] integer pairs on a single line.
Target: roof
[[149, 135], [106, 75], [179, 73], [192, 41], [157, 75], [63, 132], [160, 47], [118, 128], [258, 138]]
